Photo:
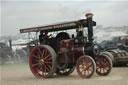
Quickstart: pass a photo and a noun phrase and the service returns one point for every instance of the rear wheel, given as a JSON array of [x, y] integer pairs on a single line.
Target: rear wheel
[[86, 66], [103, 65], [65, 72], [42, 61]]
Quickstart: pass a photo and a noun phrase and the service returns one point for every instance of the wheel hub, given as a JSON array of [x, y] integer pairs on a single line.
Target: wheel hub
[[41, 62], [84, 67], [102, 65]]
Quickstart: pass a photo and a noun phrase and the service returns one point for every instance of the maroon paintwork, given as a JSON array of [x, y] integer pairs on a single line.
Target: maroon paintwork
[[66, 46], [73, 52]]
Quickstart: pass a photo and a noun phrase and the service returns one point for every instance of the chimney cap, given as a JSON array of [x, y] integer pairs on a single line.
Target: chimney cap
[[89, 15]]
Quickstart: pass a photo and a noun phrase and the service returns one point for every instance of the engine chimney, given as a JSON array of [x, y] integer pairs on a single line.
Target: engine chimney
[[90, 27], [10, 44]]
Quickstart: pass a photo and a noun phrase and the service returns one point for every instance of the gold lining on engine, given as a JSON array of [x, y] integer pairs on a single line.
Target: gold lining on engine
[[83, 51]]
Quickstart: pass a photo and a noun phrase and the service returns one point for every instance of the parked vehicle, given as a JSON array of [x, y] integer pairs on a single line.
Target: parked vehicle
[[6, 53], [117, 50]]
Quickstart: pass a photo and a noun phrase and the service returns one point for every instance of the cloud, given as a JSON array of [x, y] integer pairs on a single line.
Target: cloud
[[17, 15]]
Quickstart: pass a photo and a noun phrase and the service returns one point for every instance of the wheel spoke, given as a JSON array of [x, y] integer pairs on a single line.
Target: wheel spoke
[[47, 56], [103, 70], [106, 69], [45, 52], [97, 67], [90, 65], [49, 67], [87, 60], [43, 71], [46, 68], [35, 57], [36, 60], [98, 63], [81, 67], [105, 60], [90, 69], [83, 62], [40, 68], [100, 69], [87, 72], [38, 54], [35, 64], [84, 72], [48, 62], [49, 59], [40, 51], [106, 64]]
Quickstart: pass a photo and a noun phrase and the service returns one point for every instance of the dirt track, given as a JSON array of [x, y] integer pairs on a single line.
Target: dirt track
[[20, 74]]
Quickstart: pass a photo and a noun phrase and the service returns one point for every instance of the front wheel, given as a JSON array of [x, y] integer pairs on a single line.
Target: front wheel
[[103, 65], [86, 66]]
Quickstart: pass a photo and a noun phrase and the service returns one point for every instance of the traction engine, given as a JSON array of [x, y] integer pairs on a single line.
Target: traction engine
[[62, 54]]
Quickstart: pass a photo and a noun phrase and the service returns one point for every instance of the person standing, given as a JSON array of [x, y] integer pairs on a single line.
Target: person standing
[[43, 37]]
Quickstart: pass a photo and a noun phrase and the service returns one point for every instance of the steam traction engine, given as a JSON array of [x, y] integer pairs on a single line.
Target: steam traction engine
[[62, 54]]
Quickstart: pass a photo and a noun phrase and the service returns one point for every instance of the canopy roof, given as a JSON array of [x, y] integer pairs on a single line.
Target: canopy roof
[[58, 27]]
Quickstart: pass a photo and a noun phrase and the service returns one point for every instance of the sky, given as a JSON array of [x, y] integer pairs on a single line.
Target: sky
[[18, 14]]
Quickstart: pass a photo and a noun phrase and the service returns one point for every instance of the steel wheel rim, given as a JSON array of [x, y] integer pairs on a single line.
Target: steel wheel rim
[[103, 65], [85, 67], [41, 63]]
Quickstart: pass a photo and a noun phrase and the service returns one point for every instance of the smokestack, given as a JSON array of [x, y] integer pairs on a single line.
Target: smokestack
[[10, 44], [90, 27]]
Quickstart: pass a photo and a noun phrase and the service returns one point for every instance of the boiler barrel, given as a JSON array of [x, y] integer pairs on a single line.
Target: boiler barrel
[[79, 51]]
